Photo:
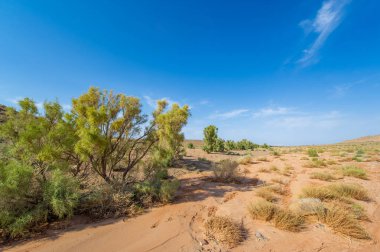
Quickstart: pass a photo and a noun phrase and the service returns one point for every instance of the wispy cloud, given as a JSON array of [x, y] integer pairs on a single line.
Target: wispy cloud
[[339, 91], [229, 114], [327, 120], [326, 21], [273, 111], [153, 102]]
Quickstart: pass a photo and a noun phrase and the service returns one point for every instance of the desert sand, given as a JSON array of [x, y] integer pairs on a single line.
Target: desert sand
[[180, 226]]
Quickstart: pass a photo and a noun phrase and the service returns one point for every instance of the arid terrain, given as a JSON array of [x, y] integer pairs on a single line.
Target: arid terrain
[[180, 226]]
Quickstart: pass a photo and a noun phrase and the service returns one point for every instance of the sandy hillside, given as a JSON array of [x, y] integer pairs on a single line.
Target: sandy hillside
[[375, 138], [180, 226]]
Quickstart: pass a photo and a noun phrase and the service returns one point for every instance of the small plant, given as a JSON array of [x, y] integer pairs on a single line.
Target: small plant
[[262, 210], [283, 219], [225, 170], [353, 171], [190, 146], [316, 163], [337, 191], [322, 176], [342, 221], [168, 190], [312, 153], [247, 159], [225, 231], [266, 194]]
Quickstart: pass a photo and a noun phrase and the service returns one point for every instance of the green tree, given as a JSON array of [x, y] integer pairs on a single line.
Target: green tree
[[114, 136], [35, 183], [230, 145], [210, 138], [169, 131]]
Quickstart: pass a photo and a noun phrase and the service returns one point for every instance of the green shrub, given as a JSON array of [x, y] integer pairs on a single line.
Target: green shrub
[[168, 190], [312, 153], [190, 146], [353, 171]]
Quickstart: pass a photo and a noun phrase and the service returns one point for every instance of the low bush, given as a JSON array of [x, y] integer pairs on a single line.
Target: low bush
[[312, 153], [262, 210], [225, 231], [353, 171], [247, 159], [322, 176], [342, 221], [225, 170], [190, 146], [337, 191]]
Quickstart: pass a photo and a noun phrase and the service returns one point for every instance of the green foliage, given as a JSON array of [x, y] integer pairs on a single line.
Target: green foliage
[[169, 130], [230, 145], [219, 147], [190, 146], [210, 138], [312, 153], [353, 171], [245, 145]]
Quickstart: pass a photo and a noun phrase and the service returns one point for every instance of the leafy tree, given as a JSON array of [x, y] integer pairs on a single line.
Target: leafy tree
[[35, 184], [113, 134], [245, 145], [219, 147], [230, 145], [210, 138], [169, 131]]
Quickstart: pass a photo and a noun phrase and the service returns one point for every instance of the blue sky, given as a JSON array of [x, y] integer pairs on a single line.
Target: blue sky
[[282, 72]]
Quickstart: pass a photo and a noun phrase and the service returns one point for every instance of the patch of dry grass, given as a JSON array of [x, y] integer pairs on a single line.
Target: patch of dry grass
[[225, 170], [263, 159], [322, 176], [282, 219], [245, 160], [266, 194], [316, 163], [338, 191], [342, 221], [353, 171], [225, 231], [287, 220]]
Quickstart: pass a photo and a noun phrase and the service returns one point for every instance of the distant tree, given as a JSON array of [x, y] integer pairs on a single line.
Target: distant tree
[[190, 146], [230, 145], [210, 138]]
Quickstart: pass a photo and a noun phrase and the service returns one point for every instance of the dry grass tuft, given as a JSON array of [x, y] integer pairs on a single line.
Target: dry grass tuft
[[353, 171], [245, 160], [337, 191], [266, 194], [225, 231], [322, 176], [282, 219], [225, 170], [263, 159], [316, 163], [262, 210], [342, 221], [287, 220]]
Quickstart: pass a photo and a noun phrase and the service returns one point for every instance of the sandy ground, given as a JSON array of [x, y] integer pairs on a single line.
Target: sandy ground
[[180, 226]]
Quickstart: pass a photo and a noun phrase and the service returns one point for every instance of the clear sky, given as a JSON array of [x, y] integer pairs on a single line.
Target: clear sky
[[282, 72]]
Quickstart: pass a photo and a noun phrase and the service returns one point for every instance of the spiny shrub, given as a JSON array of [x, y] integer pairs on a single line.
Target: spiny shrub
[[225, 231], [225, 170]]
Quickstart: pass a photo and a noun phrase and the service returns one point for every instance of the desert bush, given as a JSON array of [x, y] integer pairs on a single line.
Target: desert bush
[[316, 163], [245, 144], [343, 222], [168, 190], [262, 210], [247, 159], [353, 171], [287, 220], [225, 231], [190, 146], [322, 176], [283, 219], [337, 191], [219, 147], [262, 159], [312, 153], [230, 145], [266, 194], [225, 170]]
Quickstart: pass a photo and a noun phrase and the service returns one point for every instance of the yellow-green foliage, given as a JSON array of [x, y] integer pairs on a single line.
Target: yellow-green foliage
[[353, 171], [247, 159], [337, 191], [322, 176]]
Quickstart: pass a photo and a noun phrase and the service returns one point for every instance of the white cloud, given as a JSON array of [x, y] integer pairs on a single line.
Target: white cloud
[[229, 114], [153, 102], [266, 112], [326, 21], [327, 120]]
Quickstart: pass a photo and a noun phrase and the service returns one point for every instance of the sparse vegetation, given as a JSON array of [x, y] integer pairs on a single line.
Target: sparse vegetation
[[322, 176], [353, 171], [225, 170], [312, 153], [225, 231], [247, 159], [337, 191]]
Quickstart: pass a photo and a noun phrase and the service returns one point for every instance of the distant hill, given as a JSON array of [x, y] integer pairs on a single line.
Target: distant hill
[[375, 138]]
